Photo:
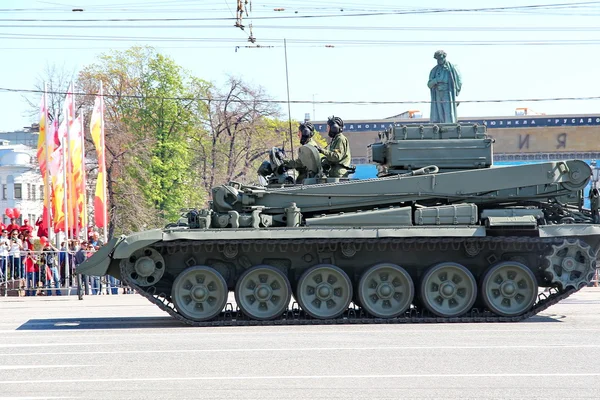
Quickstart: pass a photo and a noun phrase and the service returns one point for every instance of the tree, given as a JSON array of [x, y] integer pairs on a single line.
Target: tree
[[150, 115], [171, 137], [56, 81], [242, 124]]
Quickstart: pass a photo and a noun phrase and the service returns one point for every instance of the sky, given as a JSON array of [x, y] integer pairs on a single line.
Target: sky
[[508, 58]]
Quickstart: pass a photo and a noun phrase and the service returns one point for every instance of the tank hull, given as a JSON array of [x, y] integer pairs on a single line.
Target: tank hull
[[416, 250]]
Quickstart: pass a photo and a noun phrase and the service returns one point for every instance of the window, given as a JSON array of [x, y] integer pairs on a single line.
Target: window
[[28, 191], [18, 191], [33, 192], [42, 192], [4, 192]]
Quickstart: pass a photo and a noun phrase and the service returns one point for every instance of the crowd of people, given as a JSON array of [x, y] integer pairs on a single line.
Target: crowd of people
[[48, 269]]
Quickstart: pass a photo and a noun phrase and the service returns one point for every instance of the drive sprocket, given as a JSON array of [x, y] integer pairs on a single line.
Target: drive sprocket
[[571, 263]]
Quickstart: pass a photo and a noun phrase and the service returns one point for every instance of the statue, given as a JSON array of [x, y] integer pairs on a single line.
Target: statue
[[444, 83]]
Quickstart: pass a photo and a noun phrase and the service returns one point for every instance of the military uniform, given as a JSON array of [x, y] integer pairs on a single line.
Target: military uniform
[[305, 154], [338, 155]]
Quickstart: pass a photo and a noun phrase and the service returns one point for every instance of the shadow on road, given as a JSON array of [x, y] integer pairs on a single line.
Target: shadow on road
[[99, 323], [544, 318], [168, 322]]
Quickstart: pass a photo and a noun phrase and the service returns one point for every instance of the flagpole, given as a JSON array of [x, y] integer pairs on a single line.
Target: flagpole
[[105, 178], [47, 176], [84, 213]]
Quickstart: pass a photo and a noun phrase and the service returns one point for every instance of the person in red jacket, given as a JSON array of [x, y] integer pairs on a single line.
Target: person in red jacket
[[13, 225], [26, 226], [42, 229], [32, 270]]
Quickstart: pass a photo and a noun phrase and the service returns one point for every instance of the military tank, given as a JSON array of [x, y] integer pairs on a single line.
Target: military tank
[[440, 235]]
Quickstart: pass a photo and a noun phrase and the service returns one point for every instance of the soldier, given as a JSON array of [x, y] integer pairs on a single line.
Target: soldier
[[305, 163], [337, 153]]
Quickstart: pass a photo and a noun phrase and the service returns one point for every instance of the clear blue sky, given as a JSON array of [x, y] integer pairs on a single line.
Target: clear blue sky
[[374, 70]]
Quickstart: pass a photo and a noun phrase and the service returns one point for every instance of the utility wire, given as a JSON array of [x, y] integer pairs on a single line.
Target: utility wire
[[297, 5], [334, 27], [363, 14], [12, 90]]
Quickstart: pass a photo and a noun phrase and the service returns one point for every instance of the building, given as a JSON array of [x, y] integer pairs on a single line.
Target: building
[[22, 183], [524, 137]]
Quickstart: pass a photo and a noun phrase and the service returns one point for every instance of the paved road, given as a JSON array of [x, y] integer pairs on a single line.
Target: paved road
[[123, 347]]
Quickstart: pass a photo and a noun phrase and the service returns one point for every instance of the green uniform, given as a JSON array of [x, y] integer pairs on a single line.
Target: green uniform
[[338, 155], [298, 164]]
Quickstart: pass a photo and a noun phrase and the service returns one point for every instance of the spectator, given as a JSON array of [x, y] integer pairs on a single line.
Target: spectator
[[93, 239], [62, 262], [95, 280], [4, 247], [14, 254], [13, 225], [26, 226], [52, 274], [32, 270], [80, 257], [42, 230], [24, 252], [73, 246]]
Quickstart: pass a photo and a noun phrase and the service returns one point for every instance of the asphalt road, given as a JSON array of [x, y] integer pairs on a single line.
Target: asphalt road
[[123, 347]]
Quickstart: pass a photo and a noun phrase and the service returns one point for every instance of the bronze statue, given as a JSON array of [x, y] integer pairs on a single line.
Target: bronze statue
[[444, 83]]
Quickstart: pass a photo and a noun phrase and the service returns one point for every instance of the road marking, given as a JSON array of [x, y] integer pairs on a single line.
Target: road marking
[[11, 345], [305, 377], [307, 349], [34, 398], [10, 367], [256, 331]]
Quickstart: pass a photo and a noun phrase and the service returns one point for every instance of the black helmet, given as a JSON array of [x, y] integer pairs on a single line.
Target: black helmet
[[308, 130], [336, 125]]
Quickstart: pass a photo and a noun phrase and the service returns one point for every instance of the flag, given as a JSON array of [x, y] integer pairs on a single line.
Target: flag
[[50, 146], [76, 188], [42, 147], [97, 132], [56, 170]]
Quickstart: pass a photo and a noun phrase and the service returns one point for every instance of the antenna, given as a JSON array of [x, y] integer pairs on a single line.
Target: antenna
[[287, 81]]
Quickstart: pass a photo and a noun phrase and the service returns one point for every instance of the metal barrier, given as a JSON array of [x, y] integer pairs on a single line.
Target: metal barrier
[[50, 273]]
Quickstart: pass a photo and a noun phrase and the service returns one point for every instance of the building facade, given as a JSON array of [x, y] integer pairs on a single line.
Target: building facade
[[21, 183]]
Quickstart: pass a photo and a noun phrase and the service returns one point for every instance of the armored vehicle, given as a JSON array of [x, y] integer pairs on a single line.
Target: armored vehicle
[[440, 235]]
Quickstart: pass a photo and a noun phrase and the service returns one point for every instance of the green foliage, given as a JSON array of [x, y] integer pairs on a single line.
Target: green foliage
[[168, 143]]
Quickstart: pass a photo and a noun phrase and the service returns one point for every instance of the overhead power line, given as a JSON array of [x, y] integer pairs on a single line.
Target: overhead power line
[[329, 27], [301, 16], [294, 6], [347, 102]]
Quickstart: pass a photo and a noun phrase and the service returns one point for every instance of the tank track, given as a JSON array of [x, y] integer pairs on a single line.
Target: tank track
[[355, 315]]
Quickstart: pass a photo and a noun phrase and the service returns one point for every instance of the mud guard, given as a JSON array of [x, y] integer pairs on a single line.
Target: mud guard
[[135, 242], [98, 263]]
